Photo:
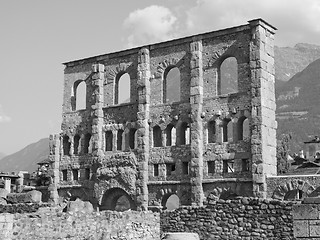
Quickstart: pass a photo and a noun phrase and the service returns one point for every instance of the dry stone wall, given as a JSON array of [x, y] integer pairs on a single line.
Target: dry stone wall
[[50, 223], [245, 218]]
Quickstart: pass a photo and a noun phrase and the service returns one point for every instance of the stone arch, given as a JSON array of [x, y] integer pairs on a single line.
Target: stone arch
[[228, 75], [66, 145], [170, 132], [243, 128], [79, 95], [110, 200], [122, 88], [171, 84], [221, 193], [157, 136], [284, 189]]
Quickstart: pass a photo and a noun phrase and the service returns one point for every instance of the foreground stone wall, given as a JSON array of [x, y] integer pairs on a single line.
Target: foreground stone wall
[[246, 218], [307, 219], [50, 223]]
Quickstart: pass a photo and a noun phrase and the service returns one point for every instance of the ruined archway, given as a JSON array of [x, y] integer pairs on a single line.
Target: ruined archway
[[293, 190], [170, 201], [117, 199]]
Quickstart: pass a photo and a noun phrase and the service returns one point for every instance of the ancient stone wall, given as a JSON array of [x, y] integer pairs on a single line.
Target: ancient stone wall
[[293, 187], [50, 223], [207, 136], [306, 216], [246, 218]]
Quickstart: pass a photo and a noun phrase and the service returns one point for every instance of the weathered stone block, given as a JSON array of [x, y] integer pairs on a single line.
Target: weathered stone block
[[181, 236], [305, 212]]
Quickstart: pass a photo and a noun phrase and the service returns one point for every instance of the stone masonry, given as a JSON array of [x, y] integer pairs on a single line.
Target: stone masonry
[[149, 148]]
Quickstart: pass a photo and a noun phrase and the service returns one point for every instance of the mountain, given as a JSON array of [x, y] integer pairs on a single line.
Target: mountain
[[27, 158], [2, 155], [298, 105], [289, 61]]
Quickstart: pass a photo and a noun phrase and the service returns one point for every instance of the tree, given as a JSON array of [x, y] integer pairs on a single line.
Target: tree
[[283, 152]]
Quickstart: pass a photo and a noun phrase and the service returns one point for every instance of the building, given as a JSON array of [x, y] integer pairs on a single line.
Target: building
[[206, 131]]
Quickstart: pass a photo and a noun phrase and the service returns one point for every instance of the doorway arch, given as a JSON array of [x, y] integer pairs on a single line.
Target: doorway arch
[[116, 199]]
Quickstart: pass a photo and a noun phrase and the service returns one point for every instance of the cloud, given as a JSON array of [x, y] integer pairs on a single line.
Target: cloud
[[3, 116], [149, 25], [296, 20]]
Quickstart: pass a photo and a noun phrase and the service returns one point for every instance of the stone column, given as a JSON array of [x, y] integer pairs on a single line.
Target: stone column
[[96, 108], [263, 126], [196, 128], [54, 158], [143, 127]]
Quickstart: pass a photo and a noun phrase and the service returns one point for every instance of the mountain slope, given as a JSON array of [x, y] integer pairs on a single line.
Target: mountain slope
[[27, 158], [2, 155], [289, 61], [298, 105]]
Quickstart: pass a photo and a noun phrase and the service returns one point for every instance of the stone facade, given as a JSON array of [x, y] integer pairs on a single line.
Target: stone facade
[[149, 148]]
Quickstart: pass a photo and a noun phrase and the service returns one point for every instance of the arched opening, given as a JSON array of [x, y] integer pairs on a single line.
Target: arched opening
[[76, 144], [171, 85], [211, 132], [157, 136], [184, 134], [117, 199], [170, 135], [294, 194], [226, 129], [122, 89], [171, 202], [87, 146], [80, 93], [243, 128], [132, 138], [66, 145], [109, 140], [228, 76], [120, 139]]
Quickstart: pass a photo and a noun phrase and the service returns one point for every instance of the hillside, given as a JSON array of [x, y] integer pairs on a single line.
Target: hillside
[[2, 155], [289, 61], [27, 158], [298, 108]]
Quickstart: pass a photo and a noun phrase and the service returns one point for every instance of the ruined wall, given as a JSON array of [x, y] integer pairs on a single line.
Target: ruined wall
[[50, 223], [159, 146], [306, 224], [282, 187], [246, 218]]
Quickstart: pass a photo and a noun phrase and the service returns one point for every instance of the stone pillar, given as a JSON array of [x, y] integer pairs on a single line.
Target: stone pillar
[[143, 127], [54, 158], [96, 108], [196, 127], [263, 126]]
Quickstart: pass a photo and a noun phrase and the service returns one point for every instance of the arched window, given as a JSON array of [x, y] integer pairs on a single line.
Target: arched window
[[76, 141], [157, 136], [122, 89], [228, 77], [211, 132], [226, 128], [87, 146], [132, 138], [171, 85], [120, 140], [66, 145], [109, 141], [80, 94], [243, 128], [173, 202], [170, 135], [184, 134]]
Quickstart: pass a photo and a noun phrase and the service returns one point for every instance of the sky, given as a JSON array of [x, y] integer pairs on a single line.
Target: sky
[[37, 36]]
